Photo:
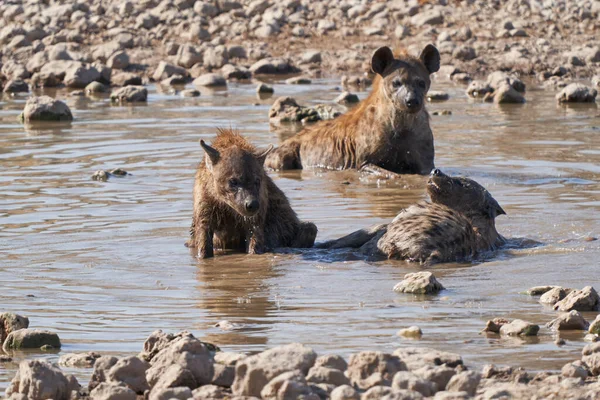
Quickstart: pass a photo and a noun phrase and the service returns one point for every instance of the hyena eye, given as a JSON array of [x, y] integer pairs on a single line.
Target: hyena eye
[[396, 83], [257, 182], [422, 84], [233, 183]]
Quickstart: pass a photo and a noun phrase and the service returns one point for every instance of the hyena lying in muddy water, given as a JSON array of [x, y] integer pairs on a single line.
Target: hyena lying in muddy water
[[457, 225], [237, 206], [389, 129]]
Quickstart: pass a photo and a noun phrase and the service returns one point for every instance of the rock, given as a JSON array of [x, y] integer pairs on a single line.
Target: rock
[[311, 57], [44, 80], [101, 367], [178, 393], [593, 363], [290, 390], [227, 358], [30, 338], [411, 332], [478, 89], [466, 381], [331, 361], [273, 66], [419, 283], [298, 80], [440, 375], [96, 87], [344, 392], [210, 80], [401, 32], [572, 320], [595, 80], [119, 60], [519, 327], [539, 290], [254, 372], [79, 77], [553, 296], [11, 322], [16, 86], [495, 324], [437, 95], [190, 93], [581, 300], [45, 108], [431, 17], [270, 390], [346, 98], [224, 375], [112, 391], [405, 380], [129, 94], [130, 371], [506, 94], [234, 72], [126, 79], [577, 93], [327, 375], [40, 380], [165, 70], [356, 81], [594, 326], [209, 392], [173, 80], [264, 89], [418, 357], [100, 175], [574, 370], [237, 51], [286, 109], [591, 338], [362, 366], [464, 53], [498, 78], [175, 376], [79, 360], [215, 57]]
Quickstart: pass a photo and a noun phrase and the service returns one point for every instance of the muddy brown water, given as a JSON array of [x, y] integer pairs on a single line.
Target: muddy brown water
[[103, 263]]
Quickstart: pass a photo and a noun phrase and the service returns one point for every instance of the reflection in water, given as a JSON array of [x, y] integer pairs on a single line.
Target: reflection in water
[[103, 263]]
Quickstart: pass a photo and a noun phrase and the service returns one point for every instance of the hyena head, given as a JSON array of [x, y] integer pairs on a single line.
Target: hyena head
[[405, 80], [238, 177], [463, 195]]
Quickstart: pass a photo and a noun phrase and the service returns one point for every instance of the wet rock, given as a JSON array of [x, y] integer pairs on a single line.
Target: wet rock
[[411, 332], [190, 93], [466, 381], [254, 372], [210, 80], [581, 300], [442, 112], [263, 88], [574, 370], [126, 79], [112, 391], [79, 360], [327, 375], [519, 327], [344, 392], [129, 94], [591, 338], [165, 70], [175, 376], [362, 366], [44, 80], [577, 93], [30, 339], [286, 109], [11, 322], [418, 357], [273, 66], [495, 324], [506, 94], [572, 320], [270, 390], [346, 98], [356, 81], [478, 89], [298, 80], [235, 72], [440, 375], [78, 77], [405, 380], [40, 380], [178, 393], [131, 371], [331, 361], [96, 87], [16, 86], [553, 295], [431, 17], [437, 95], [419, 283], [173, 80], [497, 79], [100, 175], [539, 290], [101, 368], [594, 326]]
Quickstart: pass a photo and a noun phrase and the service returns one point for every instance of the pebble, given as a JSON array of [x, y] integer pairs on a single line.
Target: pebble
[[410, 332], [419, 283]]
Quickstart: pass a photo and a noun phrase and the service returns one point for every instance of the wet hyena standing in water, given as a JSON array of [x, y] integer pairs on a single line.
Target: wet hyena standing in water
[[389, 129], [236, 204], [458, 224]]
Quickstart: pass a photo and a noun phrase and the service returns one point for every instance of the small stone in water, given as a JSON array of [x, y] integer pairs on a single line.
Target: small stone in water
[[412, 332], [100, 175], [436, 95]]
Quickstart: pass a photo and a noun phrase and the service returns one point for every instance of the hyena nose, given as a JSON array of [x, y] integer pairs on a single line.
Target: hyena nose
[[413, 103], [436, 172], [252, 205]]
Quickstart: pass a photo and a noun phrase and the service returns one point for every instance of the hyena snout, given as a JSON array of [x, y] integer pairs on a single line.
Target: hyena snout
[[413, 102], [251, 205]]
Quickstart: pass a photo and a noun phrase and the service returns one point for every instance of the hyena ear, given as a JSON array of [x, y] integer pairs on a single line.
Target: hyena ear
[[261, 157], [382, 58], [212, 154], [430, 57], [494, 208]]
